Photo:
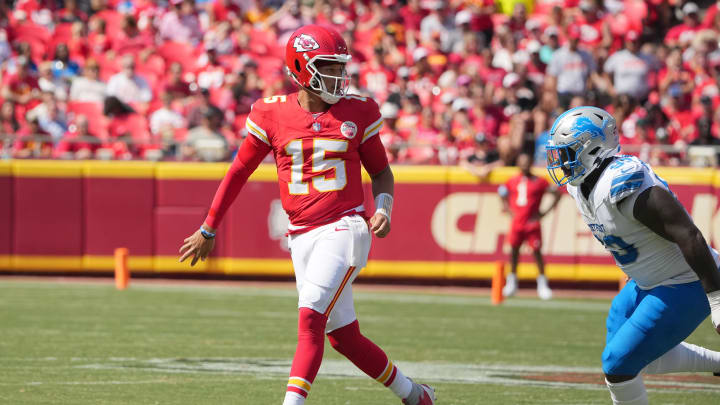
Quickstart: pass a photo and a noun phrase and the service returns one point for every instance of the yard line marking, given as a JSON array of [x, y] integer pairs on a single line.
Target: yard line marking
[[584, 378]]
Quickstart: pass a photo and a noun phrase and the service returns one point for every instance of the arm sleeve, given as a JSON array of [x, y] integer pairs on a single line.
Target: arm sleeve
[[251, 153], [372, 155]]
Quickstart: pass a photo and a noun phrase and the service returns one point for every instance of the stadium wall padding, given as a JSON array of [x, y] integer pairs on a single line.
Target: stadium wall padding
[[69, 216]]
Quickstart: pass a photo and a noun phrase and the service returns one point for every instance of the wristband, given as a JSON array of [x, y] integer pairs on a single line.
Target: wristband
[[714, 300], [206, 234], [383, 204]]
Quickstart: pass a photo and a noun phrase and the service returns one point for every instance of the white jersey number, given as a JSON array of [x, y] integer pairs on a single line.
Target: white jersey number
[[522, 199], [319, 163]]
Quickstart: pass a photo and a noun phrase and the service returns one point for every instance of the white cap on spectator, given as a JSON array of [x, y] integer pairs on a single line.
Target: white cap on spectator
[[551, 30], [587, 5], [510, 79], [431, 4], [419, 53], [521, 57], [389, 110], [447, 97], [463, 17], [533, 46], [690, 8], [614, 6], [461, 104], [403, 71], [532, 24]]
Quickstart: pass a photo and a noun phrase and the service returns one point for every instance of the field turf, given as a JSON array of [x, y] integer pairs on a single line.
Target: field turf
[[86, 343]]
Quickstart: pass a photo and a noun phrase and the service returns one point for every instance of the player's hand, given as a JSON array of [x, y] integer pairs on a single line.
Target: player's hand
[[197, 246], [379, 225]]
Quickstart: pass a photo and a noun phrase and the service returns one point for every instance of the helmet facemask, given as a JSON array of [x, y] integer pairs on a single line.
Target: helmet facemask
[[564, 164], [329, 87]]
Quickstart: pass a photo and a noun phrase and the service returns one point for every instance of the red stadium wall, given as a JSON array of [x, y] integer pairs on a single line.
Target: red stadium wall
[[70, 216]]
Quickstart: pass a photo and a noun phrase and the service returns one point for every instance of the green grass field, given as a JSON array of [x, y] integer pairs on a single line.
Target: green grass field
[[86, 343]]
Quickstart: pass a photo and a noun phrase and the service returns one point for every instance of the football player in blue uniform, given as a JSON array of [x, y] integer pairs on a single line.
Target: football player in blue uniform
[[675, 281]]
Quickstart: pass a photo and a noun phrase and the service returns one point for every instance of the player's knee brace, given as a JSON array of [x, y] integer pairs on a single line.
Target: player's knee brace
[[344, 339], [630, 392]]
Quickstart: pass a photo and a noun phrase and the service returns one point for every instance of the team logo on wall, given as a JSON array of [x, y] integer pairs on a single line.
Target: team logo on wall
[[304, 43], [348, 129]]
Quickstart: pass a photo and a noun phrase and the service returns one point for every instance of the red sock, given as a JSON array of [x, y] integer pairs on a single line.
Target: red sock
[[309, 351], [361, 351]]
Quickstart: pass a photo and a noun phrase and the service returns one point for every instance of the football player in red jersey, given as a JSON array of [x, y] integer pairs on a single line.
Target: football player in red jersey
[[320, 136], [521, 197]]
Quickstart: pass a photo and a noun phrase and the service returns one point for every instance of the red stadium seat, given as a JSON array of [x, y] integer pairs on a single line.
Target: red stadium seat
[[62, 33], [154, 64], [134, 124], [25, 31], [113, 22], [179, 52], [38, 48], [97, 122]]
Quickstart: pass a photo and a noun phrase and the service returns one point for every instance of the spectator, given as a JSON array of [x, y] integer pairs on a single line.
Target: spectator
[[21, 87], [164, 121], [9, 124], [683, 34], [570, 68], [483, 158], [47, 82], [64, 68], [630, 69], [78, 142], [70, 13], [131, 40], [176, 85], [49, 116], [32, 141], [206, 142], [128, 86], [181, 23], [198, 108], [88, 87], [5, 51]]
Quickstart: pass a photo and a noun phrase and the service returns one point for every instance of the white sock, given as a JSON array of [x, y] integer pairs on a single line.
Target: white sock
[[293, 398], [628, 392], [685, 357], [401, 385]]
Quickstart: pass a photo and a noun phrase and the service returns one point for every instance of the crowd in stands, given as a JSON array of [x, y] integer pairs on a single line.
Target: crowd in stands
[[472, 82]]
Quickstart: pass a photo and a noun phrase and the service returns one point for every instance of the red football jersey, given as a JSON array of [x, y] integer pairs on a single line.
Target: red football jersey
[[525, 195], [318, 155]]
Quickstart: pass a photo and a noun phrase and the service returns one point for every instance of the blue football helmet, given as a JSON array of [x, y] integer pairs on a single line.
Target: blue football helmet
[[580, 139]]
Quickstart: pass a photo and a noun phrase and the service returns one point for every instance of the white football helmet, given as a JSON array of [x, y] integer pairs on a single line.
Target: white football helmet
[[580, 139]]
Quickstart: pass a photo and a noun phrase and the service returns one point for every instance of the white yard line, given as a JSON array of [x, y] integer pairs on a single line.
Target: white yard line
[[495, 374]]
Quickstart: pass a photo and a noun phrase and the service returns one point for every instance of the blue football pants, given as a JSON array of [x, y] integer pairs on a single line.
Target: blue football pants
[[642, 325]]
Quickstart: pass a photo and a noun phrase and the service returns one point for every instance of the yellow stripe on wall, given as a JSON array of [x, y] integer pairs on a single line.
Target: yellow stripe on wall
[[283, 267], [268, 172], [5, 168]]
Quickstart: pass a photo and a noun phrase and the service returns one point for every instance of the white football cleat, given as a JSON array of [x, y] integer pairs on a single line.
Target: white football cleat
[[543, 290], [427, 397], [510, 285]]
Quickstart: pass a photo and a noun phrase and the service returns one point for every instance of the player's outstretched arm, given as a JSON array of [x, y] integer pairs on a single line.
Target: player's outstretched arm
[[201, 242], [383, 186], [660, 211]]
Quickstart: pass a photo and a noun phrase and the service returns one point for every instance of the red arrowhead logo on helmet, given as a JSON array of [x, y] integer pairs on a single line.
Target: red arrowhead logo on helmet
[[304, 43]]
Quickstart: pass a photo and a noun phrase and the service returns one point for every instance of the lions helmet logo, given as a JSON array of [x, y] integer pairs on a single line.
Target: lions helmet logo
[[348, 129], [304, 43]]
